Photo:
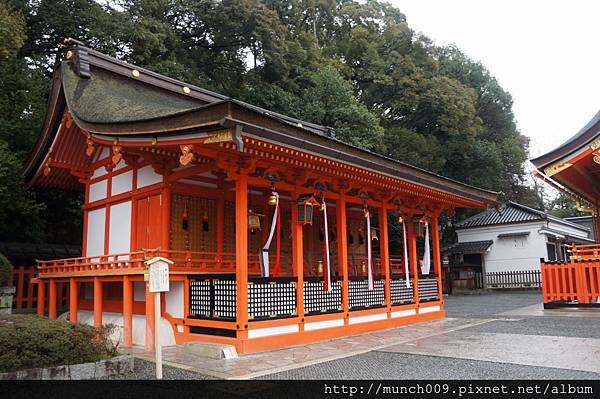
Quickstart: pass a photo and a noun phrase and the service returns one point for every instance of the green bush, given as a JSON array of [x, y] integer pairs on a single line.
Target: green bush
[[29, 341], [5, 270]]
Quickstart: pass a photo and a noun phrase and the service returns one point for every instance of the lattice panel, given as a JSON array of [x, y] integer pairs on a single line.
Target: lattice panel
[[271, 300], [317, 300], [229, 228], [224, 299], [202, 218], [428, 289], [361, 297], [399, 293], [213, 298], [200, 298]]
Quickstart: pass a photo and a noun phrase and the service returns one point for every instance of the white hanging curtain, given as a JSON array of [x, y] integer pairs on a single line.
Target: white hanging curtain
[[264, 252], [427, 253], [326, 255], [405, 258], [369, 250]]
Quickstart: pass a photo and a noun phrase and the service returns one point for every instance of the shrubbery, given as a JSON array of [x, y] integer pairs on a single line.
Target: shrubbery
[[29, 341]]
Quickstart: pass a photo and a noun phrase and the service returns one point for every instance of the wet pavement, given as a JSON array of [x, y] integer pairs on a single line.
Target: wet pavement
[[505, 335]]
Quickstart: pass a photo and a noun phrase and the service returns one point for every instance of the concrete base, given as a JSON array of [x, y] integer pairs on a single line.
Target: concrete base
[[211, 351]]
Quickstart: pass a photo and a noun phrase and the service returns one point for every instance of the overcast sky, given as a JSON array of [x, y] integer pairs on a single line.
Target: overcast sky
[[545, 53]]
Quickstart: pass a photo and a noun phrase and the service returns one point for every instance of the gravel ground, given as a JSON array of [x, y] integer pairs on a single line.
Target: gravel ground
[[582, 327], [145, 370], [385, 365], [486, 305]]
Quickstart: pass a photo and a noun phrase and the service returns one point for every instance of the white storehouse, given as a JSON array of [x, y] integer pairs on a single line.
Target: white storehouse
[[513, 238]]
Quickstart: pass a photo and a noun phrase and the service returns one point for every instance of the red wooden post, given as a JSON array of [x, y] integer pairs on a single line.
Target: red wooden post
[[150, 320], [73, 299], [220, 226], [20, 283], [385, 251], [52, 299], [41, 297], [241, 254], [97, 302], [31, 272], [342, 240], [298, 259], [127, 311], [412, 256], [437, 263]]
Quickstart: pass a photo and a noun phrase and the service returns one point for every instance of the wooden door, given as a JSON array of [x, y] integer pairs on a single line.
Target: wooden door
[[149, 223]]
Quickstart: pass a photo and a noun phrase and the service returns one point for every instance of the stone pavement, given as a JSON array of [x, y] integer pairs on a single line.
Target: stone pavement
[[269, 362], [496, 335]]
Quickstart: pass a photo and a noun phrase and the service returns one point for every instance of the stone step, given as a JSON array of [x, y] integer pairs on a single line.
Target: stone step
[[211, 350]]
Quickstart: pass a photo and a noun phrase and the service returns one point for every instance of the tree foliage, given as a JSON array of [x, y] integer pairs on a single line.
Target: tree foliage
[[357, 67]]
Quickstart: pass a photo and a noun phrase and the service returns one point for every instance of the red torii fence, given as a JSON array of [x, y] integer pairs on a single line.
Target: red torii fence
[[26, 297]]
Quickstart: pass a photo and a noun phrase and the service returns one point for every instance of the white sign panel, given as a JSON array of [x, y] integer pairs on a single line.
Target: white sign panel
[[159, 277]]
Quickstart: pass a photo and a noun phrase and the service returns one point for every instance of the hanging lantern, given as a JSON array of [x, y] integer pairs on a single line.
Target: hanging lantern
[[89, 150], [420, 227], [374, 234], [272, 199], [400, 219], [320, 266], [363, 266], [116, 154], [305, 208], [253, 221], [205, 221], [184, 218], [187, 154]]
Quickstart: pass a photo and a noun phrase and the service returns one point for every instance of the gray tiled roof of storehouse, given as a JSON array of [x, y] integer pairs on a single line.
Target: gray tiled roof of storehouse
[[506, 213], [469, 247]]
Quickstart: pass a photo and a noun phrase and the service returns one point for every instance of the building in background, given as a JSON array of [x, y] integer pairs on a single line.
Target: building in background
[[509, 240]]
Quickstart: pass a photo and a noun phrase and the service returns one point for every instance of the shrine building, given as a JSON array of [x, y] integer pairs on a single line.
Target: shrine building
[[279, 233]]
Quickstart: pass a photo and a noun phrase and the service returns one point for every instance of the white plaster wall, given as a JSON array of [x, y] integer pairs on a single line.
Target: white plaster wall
[[101, 171], [122, 183], [174, 299], [95, 232], [119, 237], [98, 191], [512, 253], [570, 230], [146, 176], [138, 323]]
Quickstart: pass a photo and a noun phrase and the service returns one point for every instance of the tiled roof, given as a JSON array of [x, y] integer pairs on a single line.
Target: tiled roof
[[26, 253], [468, 247]]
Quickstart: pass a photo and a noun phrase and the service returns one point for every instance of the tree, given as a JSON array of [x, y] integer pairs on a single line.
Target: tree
[[562, 206]]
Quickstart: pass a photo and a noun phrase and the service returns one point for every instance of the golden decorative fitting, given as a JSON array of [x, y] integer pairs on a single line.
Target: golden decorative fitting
[[554, 169], [154, 141], [595, 144], [135, 73], [186, 89], [400, 219], [597, 159], [69, 55], [47, 169], [272, 200]]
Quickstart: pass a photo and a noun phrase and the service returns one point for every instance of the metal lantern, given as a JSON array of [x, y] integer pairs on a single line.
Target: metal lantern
[[253, 221], [306, 204], [420, 225]]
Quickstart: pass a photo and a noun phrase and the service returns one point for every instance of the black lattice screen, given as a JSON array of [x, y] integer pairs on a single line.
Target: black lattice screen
[[268, 299], [428, 289], [361, 297], [213, 297], [400, 293], [317, 300]]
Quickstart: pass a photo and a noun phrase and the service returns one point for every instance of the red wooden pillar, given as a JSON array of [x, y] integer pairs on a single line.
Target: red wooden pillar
[[41, 309], [298, 260], [31, 273], [73, 299], [342, 239], [241, 254], [412, 255], [437, 261], [127, 311], [97, 302], [385, 251], [52, 299], [20, 284], [166, 217], [150, 320]]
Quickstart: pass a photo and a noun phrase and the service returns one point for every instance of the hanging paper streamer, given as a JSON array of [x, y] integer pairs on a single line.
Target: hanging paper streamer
[[264, 253], [326, 257], [426, 255], [405, 242], [369, 249], [277, 241]]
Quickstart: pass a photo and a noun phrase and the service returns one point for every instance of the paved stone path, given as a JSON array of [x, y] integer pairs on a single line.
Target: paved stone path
[[496, 335]]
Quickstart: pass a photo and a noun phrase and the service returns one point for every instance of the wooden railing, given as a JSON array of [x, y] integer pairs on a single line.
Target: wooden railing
[[585, 252], [574, 283]]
